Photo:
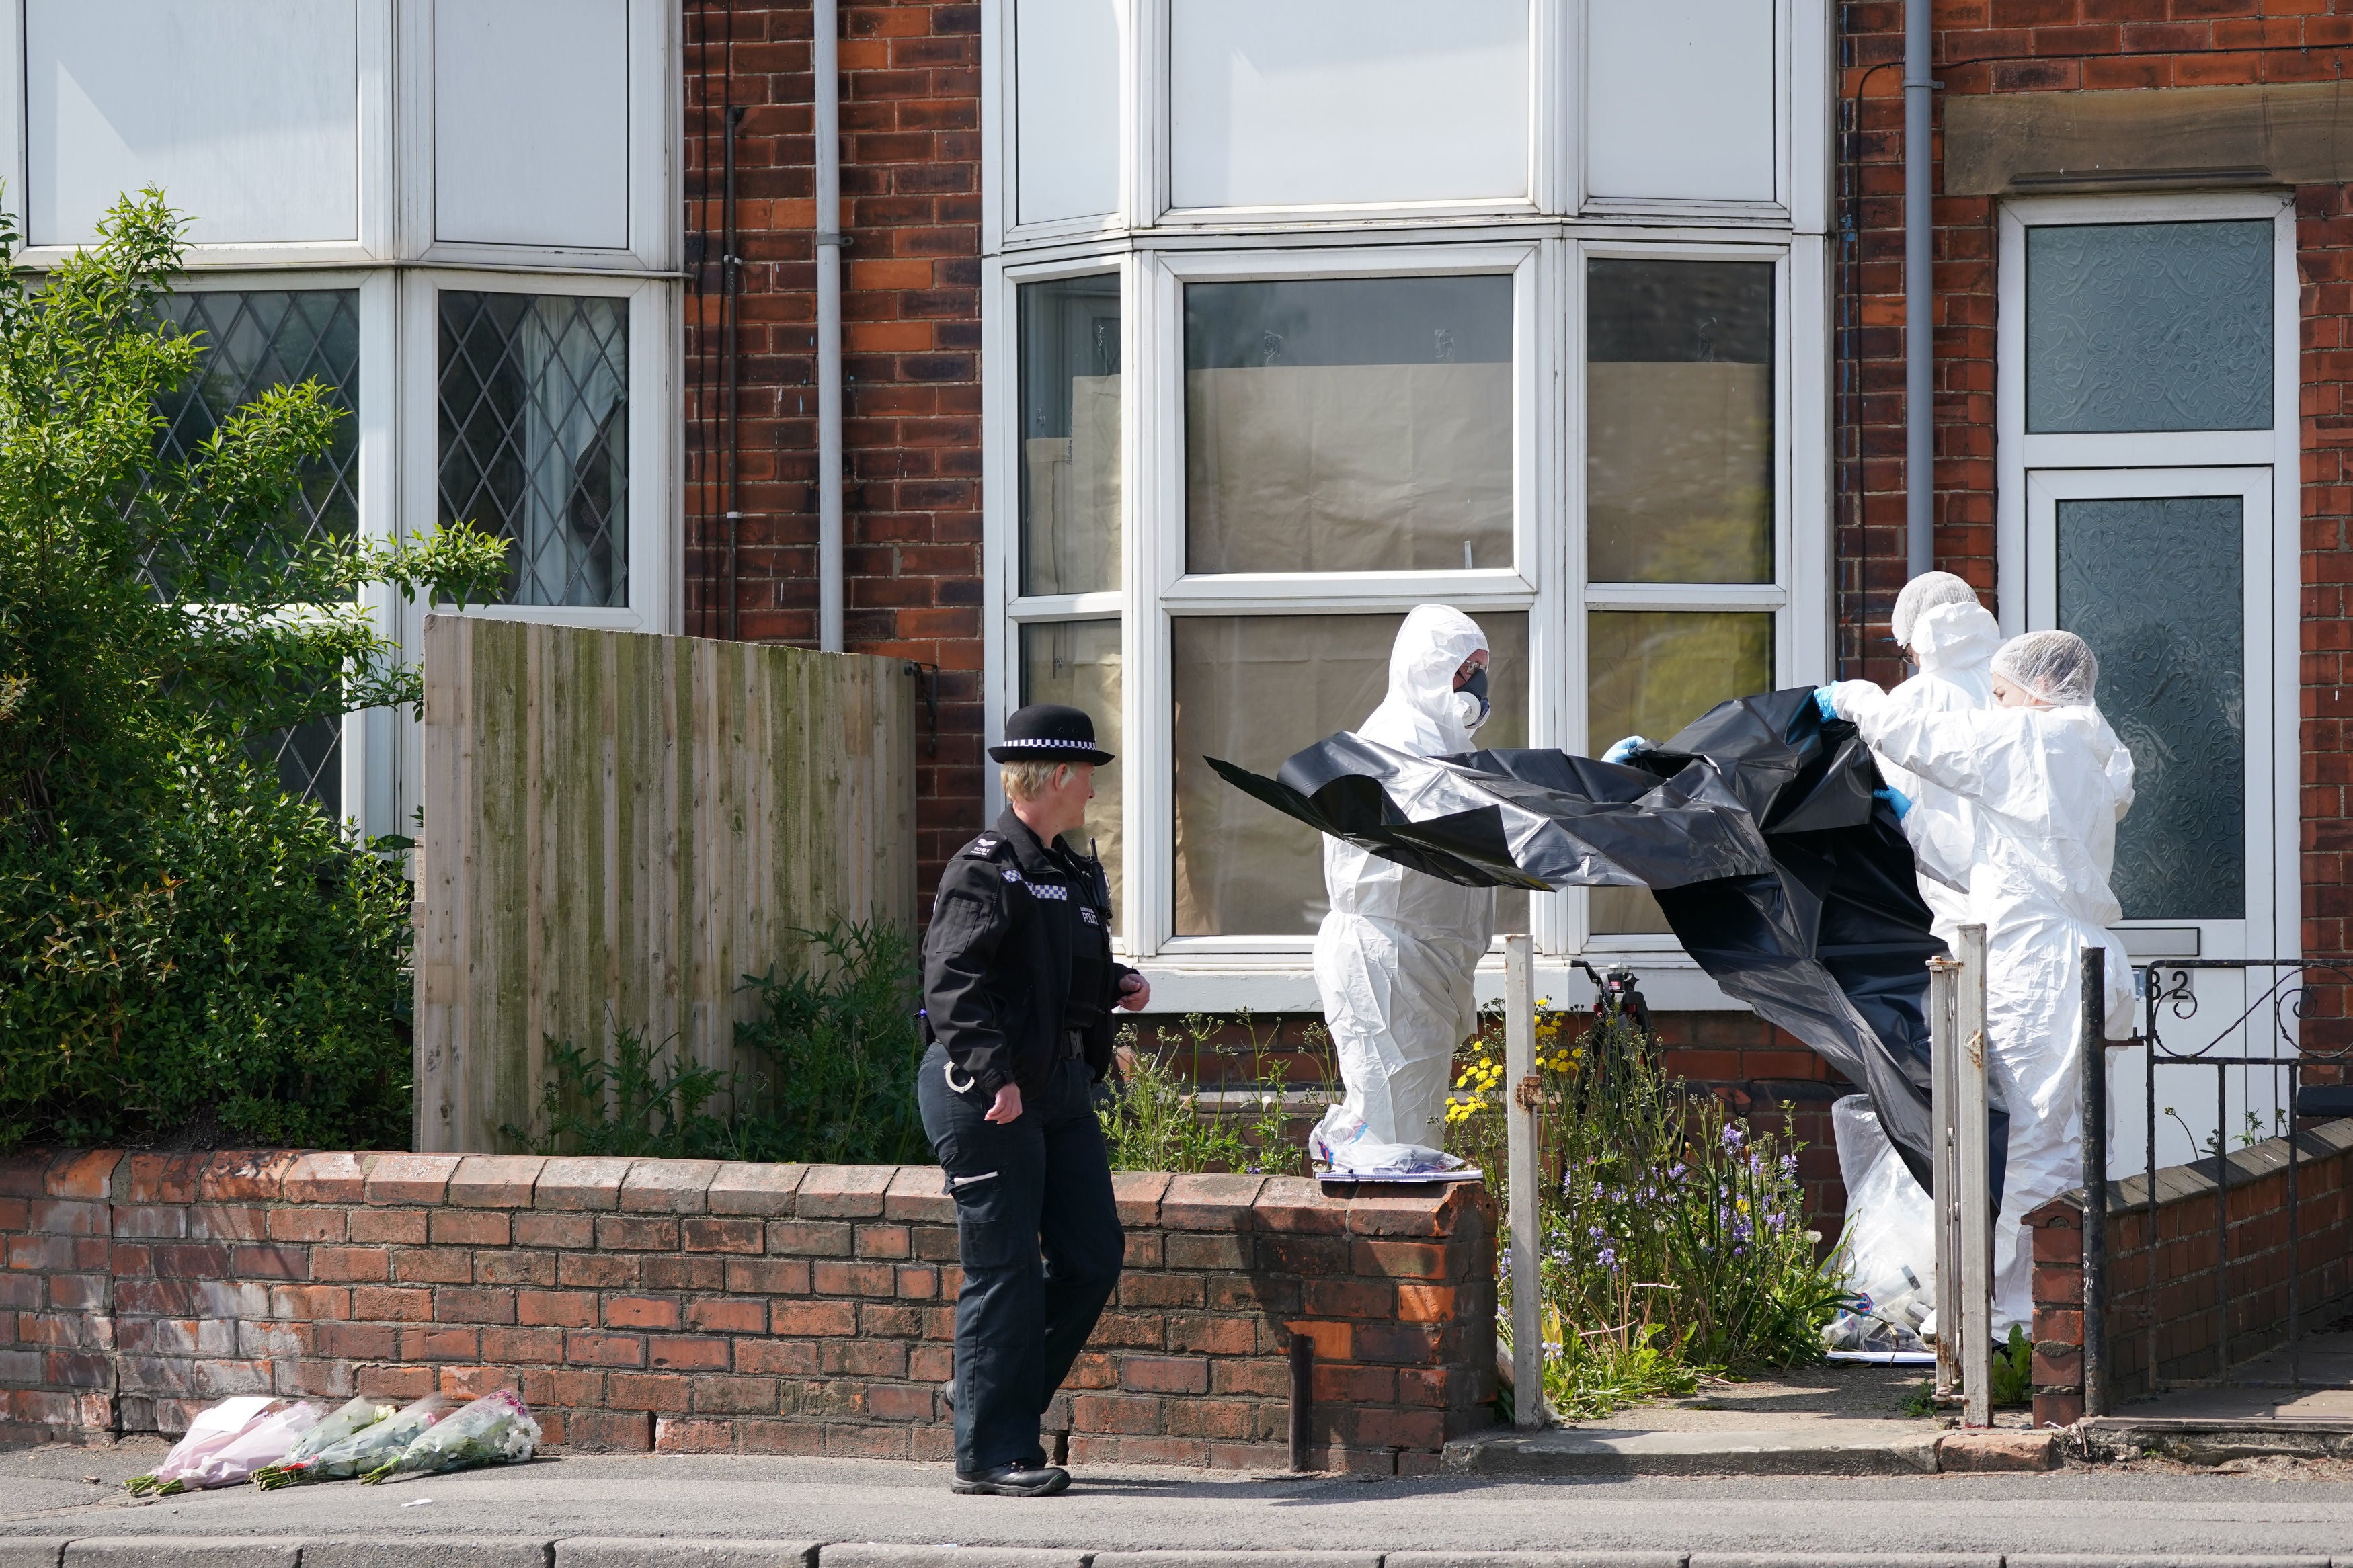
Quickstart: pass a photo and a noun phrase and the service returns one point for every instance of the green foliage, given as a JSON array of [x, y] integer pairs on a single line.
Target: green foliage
[[227, 963], [1673, 1236], [184, 944], [1154, 1118], [636, 1104], [838, 1046], [2012, 1382]]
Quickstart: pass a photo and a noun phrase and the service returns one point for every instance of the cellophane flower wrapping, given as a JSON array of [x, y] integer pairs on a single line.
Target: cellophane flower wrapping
[[354, 1415], [213, 1429], [496, 1429], [363, 1451], [264, 1443]]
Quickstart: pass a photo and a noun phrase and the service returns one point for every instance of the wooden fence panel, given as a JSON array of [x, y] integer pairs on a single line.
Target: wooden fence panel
[[618, 828]]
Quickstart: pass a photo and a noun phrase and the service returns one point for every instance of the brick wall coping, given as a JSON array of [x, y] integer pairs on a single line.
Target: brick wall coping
[[2177, 1183], [641, 1185]]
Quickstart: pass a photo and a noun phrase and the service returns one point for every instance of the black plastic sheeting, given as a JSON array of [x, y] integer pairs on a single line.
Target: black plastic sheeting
[[1756, 829]]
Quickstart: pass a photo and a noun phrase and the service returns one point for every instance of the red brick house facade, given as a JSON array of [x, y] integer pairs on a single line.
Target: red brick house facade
[[936, 249]]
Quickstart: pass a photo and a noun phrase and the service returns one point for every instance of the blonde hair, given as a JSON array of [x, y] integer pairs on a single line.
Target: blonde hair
[[1029, 777]]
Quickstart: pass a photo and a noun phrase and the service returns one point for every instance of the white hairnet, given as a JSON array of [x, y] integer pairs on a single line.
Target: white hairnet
[[1419, 714], [1928, 589], [2058, 667]]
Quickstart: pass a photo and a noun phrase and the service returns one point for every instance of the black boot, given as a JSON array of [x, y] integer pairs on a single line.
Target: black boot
[[1014, 1481]]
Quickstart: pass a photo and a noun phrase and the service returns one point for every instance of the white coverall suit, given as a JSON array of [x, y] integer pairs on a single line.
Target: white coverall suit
[[2048, 786], [1890, 1220], [1395, 954]]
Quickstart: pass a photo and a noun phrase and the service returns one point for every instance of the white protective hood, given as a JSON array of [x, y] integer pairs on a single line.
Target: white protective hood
[[1955, 646], [1395, 954]]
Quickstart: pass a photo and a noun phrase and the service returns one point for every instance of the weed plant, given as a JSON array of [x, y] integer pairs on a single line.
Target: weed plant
[[837, 1044], [1155, 1120], [1673, 1236]]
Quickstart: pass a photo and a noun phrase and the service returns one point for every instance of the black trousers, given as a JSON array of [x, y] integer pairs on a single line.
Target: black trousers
[[1040, 1240]]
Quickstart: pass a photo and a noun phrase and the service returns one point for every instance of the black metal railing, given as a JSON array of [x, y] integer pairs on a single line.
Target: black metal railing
[[2265, 1037]]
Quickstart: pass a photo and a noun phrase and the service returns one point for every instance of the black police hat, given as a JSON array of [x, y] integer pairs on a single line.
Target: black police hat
[[1048, 731]]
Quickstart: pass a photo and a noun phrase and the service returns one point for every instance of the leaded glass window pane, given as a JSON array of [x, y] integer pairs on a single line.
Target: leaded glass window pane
[[2151, 583], [257, 340], [1252, 689], [2149, 326], [535, 437]]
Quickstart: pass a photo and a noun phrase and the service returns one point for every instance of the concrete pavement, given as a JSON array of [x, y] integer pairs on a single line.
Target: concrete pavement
[[669, 1512]]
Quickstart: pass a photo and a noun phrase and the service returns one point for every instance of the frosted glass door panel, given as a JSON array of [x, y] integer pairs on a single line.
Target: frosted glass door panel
[[244, 112], [2150, 583], [1254, 688], [1349, 425], [2149, 326], [1066, 74], [1679, 99], [531, 123], [1317, 103]]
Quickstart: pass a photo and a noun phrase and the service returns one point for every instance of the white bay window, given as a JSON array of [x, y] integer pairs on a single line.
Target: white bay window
[[1321, 311]]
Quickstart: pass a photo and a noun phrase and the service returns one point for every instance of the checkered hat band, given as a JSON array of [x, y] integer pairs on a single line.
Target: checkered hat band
[[1052, 745]]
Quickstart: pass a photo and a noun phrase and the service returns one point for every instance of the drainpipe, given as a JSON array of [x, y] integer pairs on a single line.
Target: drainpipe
[[1919, 291], [824, 63]]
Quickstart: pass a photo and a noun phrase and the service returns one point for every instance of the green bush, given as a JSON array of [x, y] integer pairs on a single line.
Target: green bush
[[1153, 1117], [184, 952], [226, 966]]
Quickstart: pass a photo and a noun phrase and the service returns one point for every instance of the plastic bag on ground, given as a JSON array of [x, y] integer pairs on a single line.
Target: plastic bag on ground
[[213, 1429], [363, 1451], [1343, 1143], [1890, 1240], [496, 1429]]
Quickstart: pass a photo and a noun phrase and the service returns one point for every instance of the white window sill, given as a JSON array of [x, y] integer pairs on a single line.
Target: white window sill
[[1670, 983]]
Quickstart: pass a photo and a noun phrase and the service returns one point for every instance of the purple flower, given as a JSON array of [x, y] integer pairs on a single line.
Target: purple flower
[[1732, 1139], [1609, 1259], [1675, 1171]]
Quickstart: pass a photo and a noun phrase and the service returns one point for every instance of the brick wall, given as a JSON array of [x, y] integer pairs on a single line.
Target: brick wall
[[696, 1306], [2060, 46], [2198, 1273], [910, 303]]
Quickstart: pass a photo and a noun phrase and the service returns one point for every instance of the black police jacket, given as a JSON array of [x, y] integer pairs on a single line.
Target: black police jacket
[[1019, 954]]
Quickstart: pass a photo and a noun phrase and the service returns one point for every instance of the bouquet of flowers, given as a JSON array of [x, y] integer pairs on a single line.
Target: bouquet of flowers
[[355, 1416], [366, 1449], [266, 1442], [210, 1431], [496, 1429]]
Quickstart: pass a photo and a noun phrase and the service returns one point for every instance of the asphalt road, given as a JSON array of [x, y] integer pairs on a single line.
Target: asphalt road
[[2273, 1507]]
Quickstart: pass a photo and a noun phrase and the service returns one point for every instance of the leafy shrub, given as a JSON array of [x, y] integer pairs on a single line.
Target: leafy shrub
[[186, 952], [1674, 1238], [636, 1104], [226, 963]]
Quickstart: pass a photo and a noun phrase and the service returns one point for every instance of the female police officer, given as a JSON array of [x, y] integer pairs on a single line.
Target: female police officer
[[1018, 984]]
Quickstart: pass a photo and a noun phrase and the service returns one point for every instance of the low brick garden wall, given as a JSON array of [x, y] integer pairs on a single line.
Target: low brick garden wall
[[2174, 1284], [705, 1306]]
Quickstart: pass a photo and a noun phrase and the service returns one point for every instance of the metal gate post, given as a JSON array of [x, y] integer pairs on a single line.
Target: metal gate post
[[1944, 1086], [1977, 1221], [1520, 1131], [2094, 1033]]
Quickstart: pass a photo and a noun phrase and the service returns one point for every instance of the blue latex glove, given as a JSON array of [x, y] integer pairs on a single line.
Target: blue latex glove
[[1822, 703], [1896, 798], [1625, 749]]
